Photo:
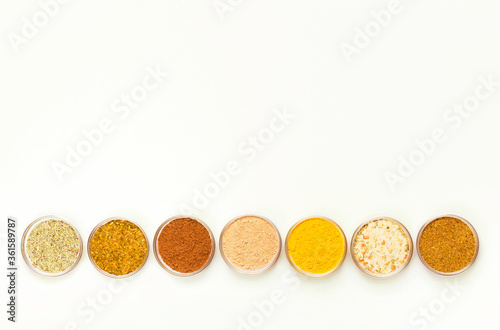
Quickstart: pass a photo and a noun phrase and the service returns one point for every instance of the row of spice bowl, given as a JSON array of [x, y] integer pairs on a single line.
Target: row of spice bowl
[[315, 247]]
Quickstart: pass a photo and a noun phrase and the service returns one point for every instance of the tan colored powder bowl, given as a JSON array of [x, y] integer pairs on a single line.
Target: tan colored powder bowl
[[248, 269]]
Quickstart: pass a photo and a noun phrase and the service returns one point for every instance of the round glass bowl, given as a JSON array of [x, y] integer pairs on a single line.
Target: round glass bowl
[[115, 236], [44, 234], [190, 236], [458, 245], [323, 230], [250, 244], [382, 238]]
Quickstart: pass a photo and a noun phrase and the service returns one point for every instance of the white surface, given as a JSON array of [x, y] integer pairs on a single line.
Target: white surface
[[226, 77]]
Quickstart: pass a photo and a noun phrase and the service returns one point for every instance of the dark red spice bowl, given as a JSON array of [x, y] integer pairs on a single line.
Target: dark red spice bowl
[[184, 245]]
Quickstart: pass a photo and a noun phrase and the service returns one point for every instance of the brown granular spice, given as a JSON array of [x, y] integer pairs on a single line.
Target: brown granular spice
[[185, 245], [447, 244]]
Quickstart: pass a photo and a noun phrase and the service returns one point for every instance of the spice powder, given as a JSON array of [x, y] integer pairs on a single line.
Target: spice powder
[[184, 245], [119, 247], [250, 243], [447, 244], [316, 246], [53, 246]]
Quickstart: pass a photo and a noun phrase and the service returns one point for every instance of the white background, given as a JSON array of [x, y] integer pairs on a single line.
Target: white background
[[353, 121]]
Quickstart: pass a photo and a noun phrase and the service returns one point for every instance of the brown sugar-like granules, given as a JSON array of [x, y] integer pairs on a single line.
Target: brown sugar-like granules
[[184, 245], [447, 244]]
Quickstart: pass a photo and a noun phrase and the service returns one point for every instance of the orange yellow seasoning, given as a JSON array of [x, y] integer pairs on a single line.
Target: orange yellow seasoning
[[119, 247], [316, 245]]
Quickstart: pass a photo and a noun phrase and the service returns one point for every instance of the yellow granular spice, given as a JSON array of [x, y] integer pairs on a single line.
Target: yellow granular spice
[[316, 245], [119, 247]]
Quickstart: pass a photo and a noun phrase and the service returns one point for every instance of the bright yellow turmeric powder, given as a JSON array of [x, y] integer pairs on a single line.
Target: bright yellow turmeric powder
[[316, 245]]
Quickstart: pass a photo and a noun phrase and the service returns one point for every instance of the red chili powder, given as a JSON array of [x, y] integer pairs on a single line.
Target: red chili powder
[[184, 245]]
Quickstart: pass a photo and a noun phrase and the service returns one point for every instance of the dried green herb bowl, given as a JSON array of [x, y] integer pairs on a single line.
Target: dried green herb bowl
[[32, 263]]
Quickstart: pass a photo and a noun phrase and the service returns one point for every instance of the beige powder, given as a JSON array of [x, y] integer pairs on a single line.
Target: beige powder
[[250, 243]]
